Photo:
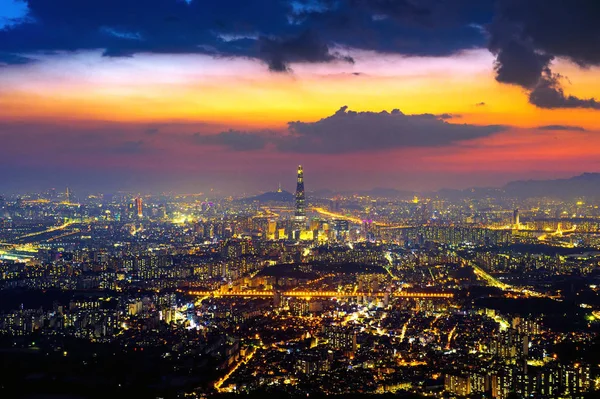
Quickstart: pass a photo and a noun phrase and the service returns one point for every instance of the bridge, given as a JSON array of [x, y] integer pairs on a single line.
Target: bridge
[[356, 220], [322, 294]]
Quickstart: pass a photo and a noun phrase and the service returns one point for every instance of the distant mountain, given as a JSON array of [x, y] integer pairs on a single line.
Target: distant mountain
[[271, 196], [585, 185], [324, 193], [377, 192], [383, 192], [474, 192]]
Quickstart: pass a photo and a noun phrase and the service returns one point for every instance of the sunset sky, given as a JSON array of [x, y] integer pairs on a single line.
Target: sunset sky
[[233, 95]]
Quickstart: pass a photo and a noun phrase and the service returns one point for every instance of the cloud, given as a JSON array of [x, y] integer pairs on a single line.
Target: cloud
[[123, 28], [558, 28], [526, 36], [349, 131], [447, 116], [12, 13], [233, 37], [278, 32], [549, 94], [121, 34], [518, 63], [13, 59], [562, 127], [233, 139], [307, 47], [425, 27]]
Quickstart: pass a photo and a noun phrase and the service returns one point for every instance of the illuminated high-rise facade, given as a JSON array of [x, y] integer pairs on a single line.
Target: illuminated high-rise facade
[[139, 207], [300, 216]]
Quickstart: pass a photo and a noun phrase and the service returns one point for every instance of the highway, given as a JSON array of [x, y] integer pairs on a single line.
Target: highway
[[491, 280], [494, 282]]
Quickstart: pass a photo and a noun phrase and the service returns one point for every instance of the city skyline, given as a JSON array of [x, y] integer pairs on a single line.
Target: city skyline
[[324, 199], [214, 98]]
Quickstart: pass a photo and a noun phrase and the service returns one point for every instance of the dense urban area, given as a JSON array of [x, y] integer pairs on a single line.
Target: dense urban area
[[299, 295]]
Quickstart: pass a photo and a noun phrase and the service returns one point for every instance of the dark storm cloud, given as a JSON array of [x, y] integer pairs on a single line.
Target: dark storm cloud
[[425, 27], [348, 131], [276, 31], [549, 94], [526, 36], [557, 27], [233, 139], [307, 47], [518, 63], [562, 127], [126, 27], [433, 13]]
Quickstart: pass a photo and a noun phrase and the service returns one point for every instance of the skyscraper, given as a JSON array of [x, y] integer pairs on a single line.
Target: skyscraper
[[300, 216], [139, 206]]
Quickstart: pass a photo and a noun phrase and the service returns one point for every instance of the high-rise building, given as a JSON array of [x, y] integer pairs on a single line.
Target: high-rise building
[[139, 207], [510, 345], [271, 229], [300, 216], [516, 221]]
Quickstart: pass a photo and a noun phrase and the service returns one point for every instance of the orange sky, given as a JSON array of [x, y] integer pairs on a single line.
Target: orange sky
[[242, 93], [185, 94]]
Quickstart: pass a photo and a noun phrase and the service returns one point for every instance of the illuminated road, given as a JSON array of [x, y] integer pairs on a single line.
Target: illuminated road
[[321, 294], [353, 219], [49, 230], [70, 233], [222, 380], [325, 212], [404, 328], [489, 279], [450, 336], [494, 282]]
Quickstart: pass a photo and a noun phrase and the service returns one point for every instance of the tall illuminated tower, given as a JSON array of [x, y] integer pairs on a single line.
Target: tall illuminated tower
[[300, 216], [139, 206]]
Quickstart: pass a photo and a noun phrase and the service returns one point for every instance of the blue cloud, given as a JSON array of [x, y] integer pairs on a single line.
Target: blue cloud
[[250, 28], [121, 34], [13, 12]]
